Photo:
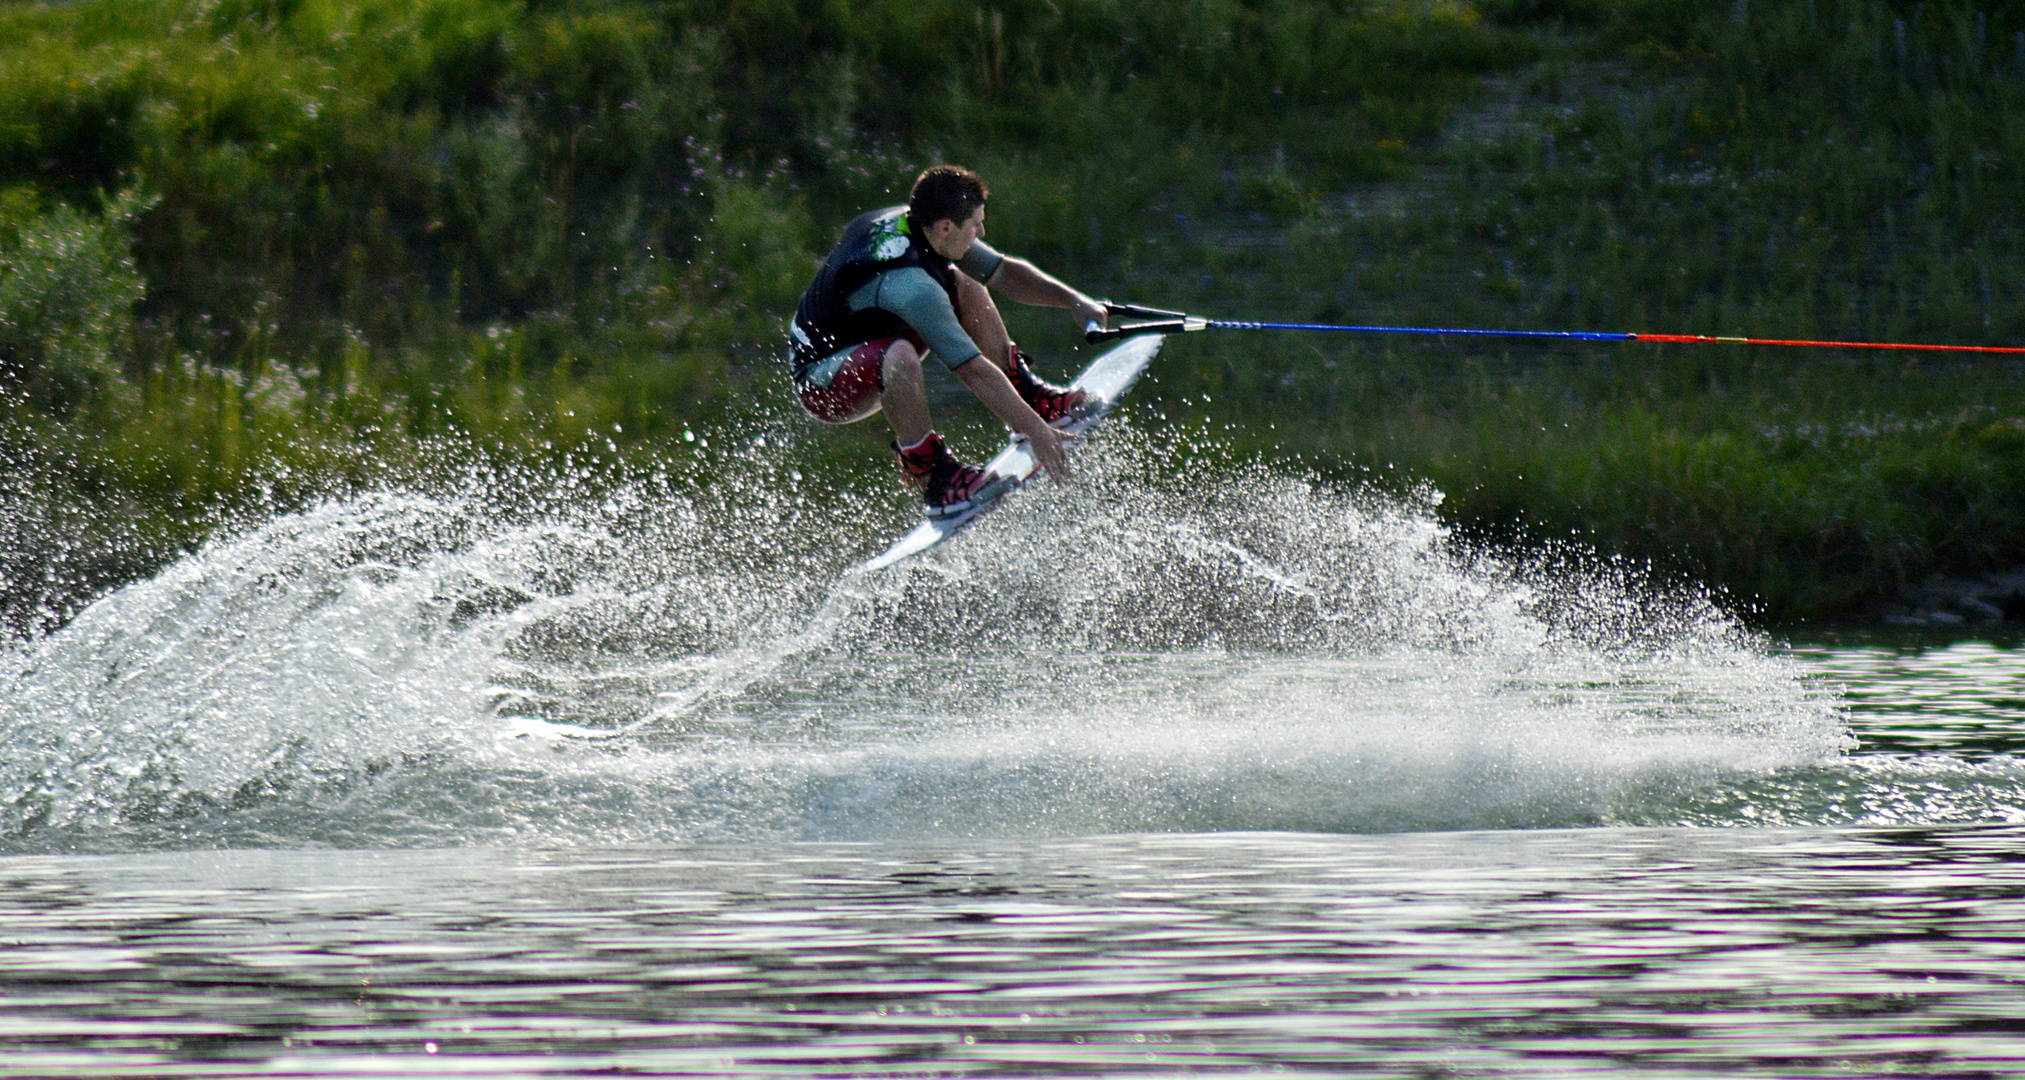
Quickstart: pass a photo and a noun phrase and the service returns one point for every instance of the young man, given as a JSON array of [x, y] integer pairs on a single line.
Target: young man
[[909, 281]]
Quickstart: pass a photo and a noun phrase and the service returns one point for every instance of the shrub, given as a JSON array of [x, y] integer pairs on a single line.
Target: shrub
[[67, 291]]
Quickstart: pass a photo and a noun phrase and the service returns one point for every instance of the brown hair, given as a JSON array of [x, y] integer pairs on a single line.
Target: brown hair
[[945, 191]]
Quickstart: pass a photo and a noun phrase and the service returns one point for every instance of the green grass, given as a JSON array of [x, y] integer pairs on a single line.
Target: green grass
[[1809, 487], [369, 229], [1783, 175], [371, 225]]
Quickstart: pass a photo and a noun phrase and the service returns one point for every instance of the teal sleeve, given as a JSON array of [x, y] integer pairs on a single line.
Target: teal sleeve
[[981, 261], [914, 296]]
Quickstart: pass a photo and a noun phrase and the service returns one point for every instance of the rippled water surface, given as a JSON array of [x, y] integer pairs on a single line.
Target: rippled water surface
[[1760, 952], [1185, 768]]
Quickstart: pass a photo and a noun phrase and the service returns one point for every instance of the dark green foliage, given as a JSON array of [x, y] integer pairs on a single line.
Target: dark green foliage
[[368, 224], [331, 169], [1586, 14], [381, 169], [67, 291], [1776, 169]]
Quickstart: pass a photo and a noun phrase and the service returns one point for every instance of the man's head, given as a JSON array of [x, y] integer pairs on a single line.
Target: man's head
[[946, 209]]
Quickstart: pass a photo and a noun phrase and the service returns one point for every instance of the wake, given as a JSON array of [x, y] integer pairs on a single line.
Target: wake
[[1177, 642]]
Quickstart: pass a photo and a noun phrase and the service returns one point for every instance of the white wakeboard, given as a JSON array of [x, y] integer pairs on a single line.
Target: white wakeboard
[[1108, 378]]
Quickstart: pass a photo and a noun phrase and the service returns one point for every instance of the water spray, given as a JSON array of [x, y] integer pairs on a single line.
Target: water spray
[[1159, 321]]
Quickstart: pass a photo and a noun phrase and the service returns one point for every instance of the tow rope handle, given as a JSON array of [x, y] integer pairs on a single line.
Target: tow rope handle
[[1163, 322]]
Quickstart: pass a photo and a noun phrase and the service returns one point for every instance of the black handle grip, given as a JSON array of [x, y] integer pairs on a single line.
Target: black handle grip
[[1164, 326], [1139, 312]]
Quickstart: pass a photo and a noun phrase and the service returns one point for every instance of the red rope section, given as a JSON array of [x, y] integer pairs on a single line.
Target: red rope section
[[1703, 339]]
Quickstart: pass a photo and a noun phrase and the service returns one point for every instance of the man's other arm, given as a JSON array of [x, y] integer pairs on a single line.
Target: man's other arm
[[1020, 280]]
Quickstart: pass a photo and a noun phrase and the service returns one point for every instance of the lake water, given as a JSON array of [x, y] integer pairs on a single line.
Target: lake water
[[1139, 777]]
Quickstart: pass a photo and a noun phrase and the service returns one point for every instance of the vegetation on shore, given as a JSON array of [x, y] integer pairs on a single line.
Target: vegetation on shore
[[1810, 169], [360, 230]]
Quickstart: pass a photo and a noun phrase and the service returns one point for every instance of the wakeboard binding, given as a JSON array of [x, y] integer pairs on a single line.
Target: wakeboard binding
[[1058, 406], [949, 488]]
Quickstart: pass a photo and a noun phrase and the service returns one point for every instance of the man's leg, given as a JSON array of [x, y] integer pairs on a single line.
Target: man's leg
[[905, 399], [981, 320], [948, 485]]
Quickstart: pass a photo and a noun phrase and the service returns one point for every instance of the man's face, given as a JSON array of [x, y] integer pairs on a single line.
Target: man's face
[[951, 240]]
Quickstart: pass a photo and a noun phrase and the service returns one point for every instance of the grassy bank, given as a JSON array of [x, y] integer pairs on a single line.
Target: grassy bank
[[361, 229], [365, 226], [1837, 170]]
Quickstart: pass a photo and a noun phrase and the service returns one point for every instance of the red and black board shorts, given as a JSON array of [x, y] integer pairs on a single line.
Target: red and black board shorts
[[845, 385]]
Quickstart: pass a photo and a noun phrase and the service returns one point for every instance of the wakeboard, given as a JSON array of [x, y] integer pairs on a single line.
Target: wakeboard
[[1107, 380]]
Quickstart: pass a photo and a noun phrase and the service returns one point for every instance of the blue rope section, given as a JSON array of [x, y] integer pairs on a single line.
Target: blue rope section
[[1569, 335]]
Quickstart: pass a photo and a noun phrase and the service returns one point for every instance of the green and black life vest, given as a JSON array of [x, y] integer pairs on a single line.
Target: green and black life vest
[[872, 244]]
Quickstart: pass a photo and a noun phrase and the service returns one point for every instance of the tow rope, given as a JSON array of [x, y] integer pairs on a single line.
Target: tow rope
[[1175, 322]]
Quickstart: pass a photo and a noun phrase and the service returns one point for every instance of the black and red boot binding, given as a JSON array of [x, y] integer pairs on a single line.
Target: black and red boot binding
[[1057, 405], [949, 487]]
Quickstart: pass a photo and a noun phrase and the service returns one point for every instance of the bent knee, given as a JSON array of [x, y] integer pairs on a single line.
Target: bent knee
[[902, 359]]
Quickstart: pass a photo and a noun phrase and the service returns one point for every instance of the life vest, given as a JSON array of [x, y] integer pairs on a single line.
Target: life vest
[[872, 244]]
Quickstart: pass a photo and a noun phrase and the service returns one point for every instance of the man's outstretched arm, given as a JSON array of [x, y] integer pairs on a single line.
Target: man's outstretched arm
[[1021, 280]]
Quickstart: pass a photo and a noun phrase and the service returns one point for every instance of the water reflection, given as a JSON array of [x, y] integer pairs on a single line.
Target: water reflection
[[1544, 953], [1916, 695]]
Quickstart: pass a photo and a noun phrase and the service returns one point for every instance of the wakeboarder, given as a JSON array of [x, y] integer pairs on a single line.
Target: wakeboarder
[[916, 280]]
